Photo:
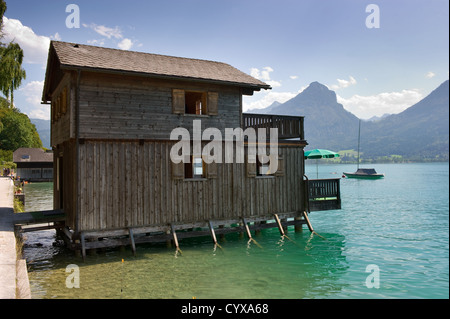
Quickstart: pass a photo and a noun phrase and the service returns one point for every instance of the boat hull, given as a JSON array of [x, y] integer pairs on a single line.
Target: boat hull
[[364, 176]]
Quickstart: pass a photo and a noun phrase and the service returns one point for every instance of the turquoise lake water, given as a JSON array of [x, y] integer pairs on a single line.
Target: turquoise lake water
[[391, 233]]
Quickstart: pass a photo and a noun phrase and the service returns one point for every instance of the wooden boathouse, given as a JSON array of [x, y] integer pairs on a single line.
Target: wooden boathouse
[[112, 113]]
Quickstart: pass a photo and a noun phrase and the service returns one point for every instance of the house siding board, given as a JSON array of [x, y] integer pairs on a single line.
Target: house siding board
[[141, 192], [143, 109]]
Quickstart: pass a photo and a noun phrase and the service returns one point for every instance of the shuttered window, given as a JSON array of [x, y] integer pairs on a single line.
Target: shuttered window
[[213, 99], [178, 101]]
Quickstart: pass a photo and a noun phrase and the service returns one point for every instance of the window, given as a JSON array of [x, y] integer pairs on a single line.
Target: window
[[195, 103], [194, 169], [263, 169]]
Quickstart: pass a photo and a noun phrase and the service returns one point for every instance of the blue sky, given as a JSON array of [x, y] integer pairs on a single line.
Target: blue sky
[[287, 44]]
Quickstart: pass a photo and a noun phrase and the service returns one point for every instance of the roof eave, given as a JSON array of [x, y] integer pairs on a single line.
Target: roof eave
[[253, 86]]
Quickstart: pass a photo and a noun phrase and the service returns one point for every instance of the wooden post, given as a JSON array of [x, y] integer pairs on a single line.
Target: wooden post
[[175, 239], [213, 234], [298, 227], [308, 222], [280, 227], [83, 247], [246, 228], [133, 246]]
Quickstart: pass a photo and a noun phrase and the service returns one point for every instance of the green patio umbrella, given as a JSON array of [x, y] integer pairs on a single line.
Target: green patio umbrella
[[319, 153]]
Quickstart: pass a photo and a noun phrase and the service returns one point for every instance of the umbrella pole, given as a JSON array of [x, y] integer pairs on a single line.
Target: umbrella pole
[[317, 168]]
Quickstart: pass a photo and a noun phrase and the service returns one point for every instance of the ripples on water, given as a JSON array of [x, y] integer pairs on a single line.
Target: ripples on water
[[399, 223]]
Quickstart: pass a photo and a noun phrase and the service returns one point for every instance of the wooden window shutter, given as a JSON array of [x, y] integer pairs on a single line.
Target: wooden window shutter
[[280, 169], [211, 170], [178, 170], [178, 101], [212, 105], [251, 167]]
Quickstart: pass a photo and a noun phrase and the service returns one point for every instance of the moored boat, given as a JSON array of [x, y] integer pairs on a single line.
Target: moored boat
[[367, 173]]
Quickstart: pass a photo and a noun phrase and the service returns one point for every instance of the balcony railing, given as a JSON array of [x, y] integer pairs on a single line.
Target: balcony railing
[[323, 194], [288, 126]]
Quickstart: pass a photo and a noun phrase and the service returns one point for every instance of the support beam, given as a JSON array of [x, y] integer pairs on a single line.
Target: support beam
[[213, 234], [133, 246], [246, 228], [280, 227], [83, 246], [308, 222], [175, 239]]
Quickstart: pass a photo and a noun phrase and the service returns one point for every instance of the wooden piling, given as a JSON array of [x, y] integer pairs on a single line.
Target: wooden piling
[[175, 239], [133, 246], [308, 222], [280, 227], [213, 234], [246, 228]]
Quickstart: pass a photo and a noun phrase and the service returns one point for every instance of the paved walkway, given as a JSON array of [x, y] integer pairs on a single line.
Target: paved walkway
[[8, 256], [13, 273]]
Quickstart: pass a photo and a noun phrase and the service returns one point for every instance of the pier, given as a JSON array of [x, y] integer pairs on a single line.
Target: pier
[[14, 282]]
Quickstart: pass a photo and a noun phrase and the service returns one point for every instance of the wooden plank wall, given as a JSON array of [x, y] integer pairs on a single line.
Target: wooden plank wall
[[122, 107], [129, 184]]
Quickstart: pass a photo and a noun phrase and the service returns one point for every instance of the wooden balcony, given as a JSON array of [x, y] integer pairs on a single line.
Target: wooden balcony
[[323, 194], [289, 127]]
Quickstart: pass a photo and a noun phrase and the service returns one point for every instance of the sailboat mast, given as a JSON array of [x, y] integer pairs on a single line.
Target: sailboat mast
[[359, 140]]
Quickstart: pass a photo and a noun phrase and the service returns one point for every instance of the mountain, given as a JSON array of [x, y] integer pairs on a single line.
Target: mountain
[[265, 110], [421, 132], [43, 129], [327, 124]]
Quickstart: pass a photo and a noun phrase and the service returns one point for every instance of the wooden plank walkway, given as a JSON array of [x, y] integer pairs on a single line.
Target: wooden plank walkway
[[13, 274]]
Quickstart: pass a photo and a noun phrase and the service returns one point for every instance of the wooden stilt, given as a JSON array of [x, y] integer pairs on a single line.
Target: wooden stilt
[[213, 234], [83, 247], [175, 239], [280, 227], [133, 246], [246, 228], [308, 222]]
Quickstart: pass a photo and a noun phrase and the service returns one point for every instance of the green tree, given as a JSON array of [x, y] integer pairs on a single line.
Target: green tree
[[18, 131], [11, 71]]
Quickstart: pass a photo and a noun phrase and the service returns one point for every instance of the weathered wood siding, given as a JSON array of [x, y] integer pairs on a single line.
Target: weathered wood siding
[[130, 184], [122, 107]]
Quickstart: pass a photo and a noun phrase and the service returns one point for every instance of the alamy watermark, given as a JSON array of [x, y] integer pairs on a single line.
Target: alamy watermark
[[233, 140], [373, 280], [373, 19], [73, 279], [73, 19]]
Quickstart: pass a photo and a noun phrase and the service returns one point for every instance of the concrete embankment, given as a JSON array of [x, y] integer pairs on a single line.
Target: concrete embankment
[[13, 273]]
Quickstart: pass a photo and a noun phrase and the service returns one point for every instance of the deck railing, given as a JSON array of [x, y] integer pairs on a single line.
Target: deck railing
[[324, 194], [288, 126]]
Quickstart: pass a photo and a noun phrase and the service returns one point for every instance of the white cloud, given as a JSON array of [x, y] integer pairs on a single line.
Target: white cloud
[[32, 92], [125, 44], [293, 77], [100, 42], [429, 75], [343, 83], [267, 100], [105, 31], [35, 47], [264, 75], [366, 107]]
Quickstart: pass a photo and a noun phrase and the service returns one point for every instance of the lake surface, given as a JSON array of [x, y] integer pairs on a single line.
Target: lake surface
[[391, 233]]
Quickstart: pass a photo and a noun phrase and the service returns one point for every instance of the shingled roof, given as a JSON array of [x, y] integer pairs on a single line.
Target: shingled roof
[[85, 57], [24, 154]]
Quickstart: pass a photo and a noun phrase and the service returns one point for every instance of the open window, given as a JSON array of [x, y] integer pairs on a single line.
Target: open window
[[194, 169], [194, 102]]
